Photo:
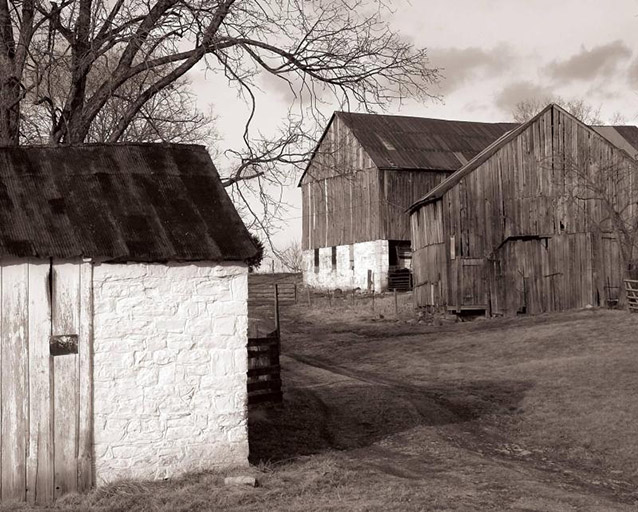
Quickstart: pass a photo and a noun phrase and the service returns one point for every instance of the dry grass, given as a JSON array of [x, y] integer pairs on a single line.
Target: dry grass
[[348, 307], [579, 372], [531, 413]]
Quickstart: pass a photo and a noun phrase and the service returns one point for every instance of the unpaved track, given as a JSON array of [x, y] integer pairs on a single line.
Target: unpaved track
[[406, 432]]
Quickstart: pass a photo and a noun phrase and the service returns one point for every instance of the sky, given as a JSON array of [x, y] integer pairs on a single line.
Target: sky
[[492, 54]]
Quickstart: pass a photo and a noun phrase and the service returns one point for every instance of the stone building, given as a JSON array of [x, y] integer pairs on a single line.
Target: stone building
[[124, 317]]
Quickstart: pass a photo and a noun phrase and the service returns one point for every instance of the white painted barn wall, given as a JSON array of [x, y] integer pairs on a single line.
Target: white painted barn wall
[[170, 367], [372, 255]]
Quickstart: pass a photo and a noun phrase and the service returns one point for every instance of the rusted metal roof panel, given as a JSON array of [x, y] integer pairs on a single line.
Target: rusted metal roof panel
[[133, 202], [401, 142], [624, 137]]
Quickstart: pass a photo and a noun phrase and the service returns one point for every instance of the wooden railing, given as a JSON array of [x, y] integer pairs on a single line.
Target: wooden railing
[[400, 280], [264, 372], [631, 289], [263, 294]]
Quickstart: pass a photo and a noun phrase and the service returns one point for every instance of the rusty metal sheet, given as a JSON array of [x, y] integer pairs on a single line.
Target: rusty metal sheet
[[421, 143], [117, 202]]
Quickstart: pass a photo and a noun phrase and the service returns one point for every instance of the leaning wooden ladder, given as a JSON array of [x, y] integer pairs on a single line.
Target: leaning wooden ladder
[[631, 287]]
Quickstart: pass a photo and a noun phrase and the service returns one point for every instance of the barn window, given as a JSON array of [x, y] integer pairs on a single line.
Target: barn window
[[334, 258], [316, 260]]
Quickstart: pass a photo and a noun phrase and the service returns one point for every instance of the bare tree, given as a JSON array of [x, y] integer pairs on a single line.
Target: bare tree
[[171, 116], [608, 197], [292, 257], [526, 109], [325, 51], [340, 46]]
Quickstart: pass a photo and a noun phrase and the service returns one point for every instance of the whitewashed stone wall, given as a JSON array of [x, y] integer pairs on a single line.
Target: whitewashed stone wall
[[170, 367], [372, 256]]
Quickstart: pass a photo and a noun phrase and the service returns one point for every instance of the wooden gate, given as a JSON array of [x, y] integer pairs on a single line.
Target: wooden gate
[[631, 289], [45, 394]]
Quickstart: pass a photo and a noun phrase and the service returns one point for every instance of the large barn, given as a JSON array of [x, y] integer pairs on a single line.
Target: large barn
[[522, 227], [123, 317], [366, 171]]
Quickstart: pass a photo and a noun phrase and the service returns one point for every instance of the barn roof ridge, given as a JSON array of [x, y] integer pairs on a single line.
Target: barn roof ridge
[[438, 191], [117, 202], [417, 118]]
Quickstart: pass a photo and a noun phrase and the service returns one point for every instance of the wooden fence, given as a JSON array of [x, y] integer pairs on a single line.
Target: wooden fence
[[264, 371], [400, 280], [631, 287], [264, 294]]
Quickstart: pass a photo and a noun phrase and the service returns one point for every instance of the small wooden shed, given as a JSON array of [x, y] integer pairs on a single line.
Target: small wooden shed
[[123, 317], [507, 233]]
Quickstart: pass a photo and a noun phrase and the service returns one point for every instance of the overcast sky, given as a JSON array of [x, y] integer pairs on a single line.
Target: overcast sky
[[493, 54]]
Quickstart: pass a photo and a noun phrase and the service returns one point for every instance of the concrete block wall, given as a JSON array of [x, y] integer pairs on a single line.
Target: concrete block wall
[[372, 256], [170, 367]]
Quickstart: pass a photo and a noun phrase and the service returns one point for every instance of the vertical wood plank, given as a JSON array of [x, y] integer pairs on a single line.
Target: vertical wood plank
[[15, 412], [40, 454], [85, 374], [65, 320]]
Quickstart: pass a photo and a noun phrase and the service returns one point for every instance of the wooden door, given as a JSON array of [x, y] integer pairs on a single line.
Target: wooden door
[[471, 285], [45, 361]]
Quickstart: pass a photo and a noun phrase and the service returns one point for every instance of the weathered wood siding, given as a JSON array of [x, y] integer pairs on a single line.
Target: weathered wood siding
[[399, 190], [340, 192], [429, 256], [46, 402], [516, 233]]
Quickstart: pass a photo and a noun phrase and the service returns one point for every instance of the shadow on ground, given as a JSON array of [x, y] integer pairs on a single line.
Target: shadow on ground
[[333, 409]]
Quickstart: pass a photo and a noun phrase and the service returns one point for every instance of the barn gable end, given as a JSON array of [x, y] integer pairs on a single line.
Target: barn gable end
[[512, 239], [340, 191]]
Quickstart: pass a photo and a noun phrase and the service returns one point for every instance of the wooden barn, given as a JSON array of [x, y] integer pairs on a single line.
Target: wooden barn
[[123, 317], [365, 172], [521, 228]]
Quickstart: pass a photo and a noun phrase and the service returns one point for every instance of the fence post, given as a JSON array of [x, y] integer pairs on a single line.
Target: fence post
[[295, 293], [353, 297], [277, 308], [373, 300], [396, 304]]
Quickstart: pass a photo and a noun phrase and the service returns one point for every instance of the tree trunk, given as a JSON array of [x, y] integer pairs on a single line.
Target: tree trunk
[[10, 94], [631, 270]]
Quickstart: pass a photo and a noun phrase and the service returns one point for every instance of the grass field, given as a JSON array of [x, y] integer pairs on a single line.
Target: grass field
[[527, 414]]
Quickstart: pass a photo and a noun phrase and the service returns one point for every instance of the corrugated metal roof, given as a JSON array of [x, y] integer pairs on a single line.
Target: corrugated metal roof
[[133, 202], [623, 137], [401, 142]]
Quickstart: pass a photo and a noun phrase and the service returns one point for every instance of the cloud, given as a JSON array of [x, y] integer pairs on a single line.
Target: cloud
[[590, 64], [632, 74], [459, 65], [516, 92]]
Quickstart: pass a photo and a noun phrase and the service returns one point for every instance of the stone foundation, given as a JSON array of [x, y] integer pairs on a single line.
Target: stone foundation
[[357, 266]]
